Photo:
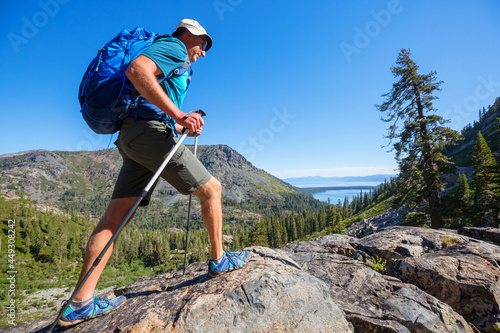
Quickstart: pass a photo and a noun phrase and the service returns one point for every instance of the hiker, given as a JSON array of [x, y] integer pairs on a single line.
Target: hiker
[[146, 137]]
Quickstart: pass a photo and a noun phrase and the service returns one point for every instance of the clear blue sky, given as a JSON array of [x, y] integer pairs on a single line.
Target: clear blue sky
[[289, 84]]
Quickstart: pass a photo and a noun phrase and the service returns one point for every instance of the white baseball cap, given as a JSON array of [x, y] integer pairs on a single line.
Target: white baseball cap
[[196, 29]]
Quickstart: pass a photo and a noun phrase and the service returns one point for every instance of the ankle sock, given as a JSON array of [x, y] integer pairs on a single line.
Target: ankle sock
[[78, 305], [218, 260]]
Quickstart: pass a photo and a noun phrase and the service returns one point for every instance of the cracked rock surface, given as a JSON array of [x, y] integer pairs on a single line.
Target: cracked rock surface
[[373, 302], [269, 294]]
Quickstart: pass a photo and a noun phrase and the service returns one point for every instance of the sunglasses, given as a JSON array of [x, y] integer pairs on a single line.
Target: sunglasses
[[204, 46]]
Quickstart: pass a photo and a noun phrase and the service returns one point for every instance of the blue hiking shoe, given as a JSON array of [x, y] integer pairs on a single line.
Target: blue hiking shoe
[[231, 260], [96, 307]]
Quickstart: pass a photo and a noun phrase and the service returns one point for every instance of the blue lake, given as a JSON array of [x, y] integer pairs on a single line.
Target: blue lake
[[336, 195]]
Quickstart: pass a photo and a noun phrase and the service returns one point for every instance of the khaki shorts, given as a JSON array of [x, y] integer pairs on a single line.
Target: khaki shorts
[[143, 145]]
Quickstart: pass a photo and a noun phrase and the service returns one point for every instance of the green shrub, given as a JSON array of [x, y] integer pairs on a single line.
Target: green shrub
[[378, 264], [449, 240]]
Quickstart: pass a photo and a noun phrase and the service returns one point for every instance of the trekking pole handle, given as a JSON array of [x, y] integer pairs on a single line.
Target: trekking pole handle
[[200, 112]]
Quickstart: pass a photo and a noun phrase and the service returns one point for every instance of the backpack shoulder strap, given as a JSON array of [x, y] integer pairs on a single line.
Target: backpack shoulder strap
[[179, 70]]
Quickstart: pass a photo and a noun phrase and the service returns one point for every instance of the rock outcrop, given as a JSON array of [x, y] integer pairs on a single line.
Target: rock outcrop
[[486, 234], [369, 226], [460, 271], [270, 294], [373, 302], [399, 280]]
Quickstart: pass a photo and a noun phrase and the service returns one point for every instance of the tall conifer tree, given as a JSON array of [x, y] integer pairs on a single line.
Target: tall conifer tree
[[461, 203], [463, 190], [420, 142], [496, 180], [484, 164]]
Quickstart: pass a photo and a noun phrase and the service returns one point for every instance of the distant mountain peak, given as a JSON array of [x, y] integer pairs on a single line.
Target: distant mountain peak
[[74, 180], [21, 153]]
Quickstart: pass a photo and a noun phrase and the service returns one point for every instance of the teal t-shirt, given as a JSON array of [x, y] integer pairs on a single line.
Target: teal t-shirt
[[168, 53]]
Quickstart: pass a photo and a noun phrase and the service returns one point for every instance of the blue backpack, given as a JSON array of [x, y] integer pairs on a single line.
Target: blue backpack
[[105, 92]]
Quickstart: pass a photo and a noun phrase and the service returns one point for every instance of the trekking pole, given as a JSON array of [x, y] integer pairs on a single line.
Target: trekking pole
[[125, 220], [189, 213]]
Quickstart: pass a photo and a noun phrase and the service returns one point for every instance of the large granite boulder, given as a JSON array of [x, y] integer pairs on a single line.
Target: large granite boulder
[[461, 271], [464, 275], [402, 242], [373, 302], [270, 294]]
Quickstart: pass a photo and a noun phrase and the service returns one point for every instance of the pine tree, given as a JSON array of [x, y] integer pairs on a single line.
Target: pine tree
[[345, 208], [483, 175], [338, 227], [270, 233], [496, 178], [59, 245], [321, 220], [165, 250], [284, 234], [330, 215], [258, 234], [197, 252], [236, 240], [37, 238], [462, 202], [495, 204], [419, 144], [27, 243], [462, 194], [243, 235], [300, 226], [293, 227]]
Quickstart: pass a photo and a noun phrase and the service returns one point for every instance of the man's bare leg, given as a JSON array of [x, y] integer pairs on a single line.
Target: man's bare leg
[[211, 212], [115, 213]]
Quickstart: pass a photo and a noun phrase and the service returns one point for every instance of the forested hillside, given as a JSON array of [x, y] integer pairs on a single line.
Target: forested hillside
[[475, 198], [487, 124]]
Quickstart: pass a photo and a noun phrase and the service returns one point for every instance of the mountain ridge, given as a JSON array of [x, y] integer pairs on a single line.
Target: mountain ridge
[[74, 179]]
